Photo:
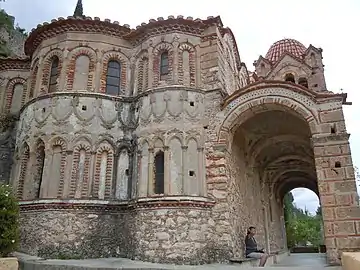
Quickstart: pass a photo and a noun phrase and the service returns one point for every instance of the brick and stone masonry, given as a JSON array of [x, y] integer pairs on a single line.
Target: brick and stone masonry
[[172, 150]]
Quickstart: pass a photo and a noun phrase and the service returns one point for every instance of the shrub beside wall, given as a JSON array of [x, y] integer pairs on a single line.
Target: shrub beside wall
[[9, 221]]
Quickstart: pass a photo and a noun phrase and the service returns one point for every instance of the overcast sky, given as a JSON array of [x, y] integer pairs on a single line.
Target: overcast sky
[[332, 25]]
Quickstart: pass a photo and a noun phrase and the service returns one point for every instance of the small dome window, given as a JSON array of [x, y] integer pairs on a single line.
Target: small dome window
[[303, 82], [289, 78]]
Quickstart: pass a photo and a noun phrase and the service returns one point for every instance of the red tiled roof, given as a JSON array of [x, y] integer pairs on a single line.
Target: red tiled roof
[[106, 27], [291, 46]]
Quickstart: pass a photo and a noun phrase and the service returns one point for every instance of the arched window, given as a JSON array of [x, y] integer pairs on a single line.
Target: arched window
[[113, 78], [289, 78], [54, 73], [159, 172], [16, 100], [303, 82], [81, 76], [164, 63]]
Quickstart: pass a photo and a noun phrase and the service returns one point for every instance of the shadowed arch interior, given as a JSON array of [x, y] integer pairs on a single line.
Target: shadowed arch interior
[[271, 154]]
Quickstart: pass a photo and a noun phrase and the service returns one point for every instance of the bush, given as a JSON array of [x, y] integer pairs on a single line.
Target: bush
[[9, 221]]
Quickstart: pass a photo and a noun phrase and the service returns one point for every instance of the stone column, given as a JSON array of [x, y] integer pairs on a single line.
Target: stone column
[[46, 177], [63, 72], [218, 181], [151, 172], [167, 176], [338, 194], [202, 172], [97, 76], [68, 173], [150, 67], [185, 185], [91, 173], [175, 60]]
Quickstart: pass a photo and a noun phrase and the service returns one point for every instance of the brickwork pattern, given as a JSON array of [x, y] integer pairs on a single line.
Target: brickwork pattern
[[71, 68], [33, 79], [157, 77], [123, 73], [10, 92], [44, 88], [200, 229], [191, 64], [142, 73], [109, 171], [85, 182]]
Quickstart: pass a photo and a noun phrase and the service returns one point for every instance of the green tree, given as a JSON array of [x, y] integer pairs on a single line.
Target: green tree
[[9, 216], [301, 226]]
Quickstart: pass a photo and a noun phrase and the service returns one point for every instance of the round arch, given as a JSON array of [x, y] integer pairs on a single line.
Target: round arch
[[259, 98]]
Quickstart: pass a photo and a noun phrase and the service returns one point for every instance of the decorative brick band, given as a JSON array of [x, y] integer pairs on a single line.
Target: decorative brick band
[[47, 69], [33, 78], [60, 142], [158, 51], [114, 56], [142, 73], [71, 68], [98, 205], [10, 92], [186, 47], [75, 181], [103, 148], [285, 85]]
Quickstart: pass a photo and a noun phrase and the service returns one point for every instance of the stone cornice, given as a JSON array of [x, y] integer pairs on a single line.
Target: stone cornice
[[134, 36], [315, 96], [117, 206]]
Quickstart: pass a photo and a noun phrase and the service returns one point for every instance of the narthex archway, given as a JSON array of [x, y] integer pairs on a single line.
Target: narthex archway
[[279, 137]]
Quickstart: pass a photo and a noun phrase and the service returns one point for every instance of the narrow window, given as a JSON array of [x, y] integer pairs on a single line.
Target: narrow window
[[159, 173], [113, 78], [333, 129], [164, 64], [18, 90], [337, 164], [303, 82], [54, 73], [289, 78]]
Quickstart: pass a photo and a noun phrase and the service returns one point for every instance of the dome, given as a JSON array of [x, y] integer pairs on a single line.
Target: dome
[[291, 46]]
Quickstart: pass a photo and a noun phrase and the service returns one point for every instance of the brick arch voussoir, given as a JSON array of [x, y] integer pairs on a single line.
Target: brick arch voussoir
[[246, 110], [163, 47], [74, 54], [123, 60], [187, 47], [82, 146], [58, 141], [141, 70], [158, 50], [105, 146], [10, 91], [48, 58]]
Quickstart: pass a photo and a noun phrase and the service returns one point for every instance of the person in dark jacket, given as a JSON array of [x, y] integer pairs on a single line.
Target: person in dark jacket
[[251, 247]]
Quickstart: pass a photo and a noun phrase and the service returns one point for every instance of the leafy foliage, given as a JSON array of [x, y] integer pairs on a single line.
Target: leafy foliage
[[9, 226], [301, 226]]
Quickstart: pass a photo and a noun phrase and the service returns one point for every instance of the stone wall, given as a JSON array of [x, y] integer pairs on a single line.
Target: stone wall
[[75, 230], [84, 129], [180, 236]]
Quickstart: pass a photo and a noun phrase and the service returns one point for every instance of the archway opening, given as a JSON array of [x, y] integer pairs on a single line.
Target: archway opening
[[270, 155], [303, 221]]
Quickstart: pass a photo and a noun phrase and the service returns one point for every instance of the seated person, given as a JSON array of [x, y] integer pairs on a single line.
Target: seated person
[[252, 250]]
